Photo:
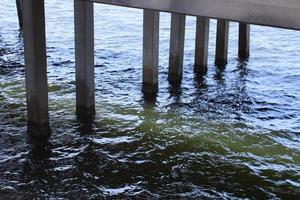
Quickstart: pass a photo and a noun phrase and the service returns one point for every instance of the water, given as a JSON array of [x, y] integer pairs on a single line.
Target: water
[[234, 133]]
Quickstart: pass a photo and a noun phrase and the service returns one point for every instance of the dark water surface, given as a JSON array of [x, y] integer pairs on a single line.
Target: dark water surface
[[234, 133]]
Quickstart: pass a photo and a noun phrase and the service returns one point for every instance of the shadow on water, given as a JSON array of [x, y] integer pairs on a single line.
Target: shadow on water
[[36, 174], [200, 82], [175, 91], [221, 99], [86, 126], [242, 68], [149, 99], [220, 75], [151, 165]]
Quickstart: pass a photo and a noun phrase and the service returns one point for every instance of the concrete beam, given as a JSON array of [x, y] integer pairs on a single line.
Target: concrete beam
[[244, 41], [222, 42], [277, 13], [36, 68], [176, 47], [19, 11], [201, 49], [84, 59], [150, 52]]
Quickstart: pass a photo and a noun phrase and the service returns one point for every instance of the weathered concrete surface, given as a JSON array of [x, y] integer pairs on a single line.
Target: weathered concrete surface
[[176, 48], [150, 52], [222, 43], [244, 41], [36, 68], [84, 59], [278, 13], [201, 49]]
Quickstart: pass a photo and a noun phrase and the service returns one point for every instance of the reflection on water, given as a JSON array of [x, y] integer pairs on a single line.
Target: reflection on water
[[232, 133]]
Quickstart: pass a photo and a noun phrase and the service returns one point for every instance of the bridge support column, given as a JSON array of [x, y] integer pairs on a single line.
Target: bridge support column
[[202, 38], [222, 42], [84, 59], [176, 48], [150, 52], [36, 68], [244, 41], [19, 11]]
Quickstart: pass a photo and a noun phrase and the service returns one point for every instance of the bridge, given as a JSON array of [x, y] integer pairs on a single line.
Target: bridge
[[275, 13]]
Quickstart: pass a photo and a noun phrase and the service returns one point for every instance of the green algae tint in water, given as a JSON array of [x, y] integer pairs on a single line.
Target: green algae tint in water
[[233, 134]]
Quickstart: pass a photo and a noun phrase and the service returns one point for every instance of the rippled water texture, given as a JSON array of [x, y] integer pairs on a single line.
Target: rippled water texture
[[234, 133]]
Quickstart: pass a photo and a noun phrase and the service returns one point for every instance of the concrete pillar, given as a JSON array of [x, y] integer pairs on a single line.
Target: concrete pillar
[[222, 42], [150, 51], [201, 49], [176, 47], [84, 59], [244, 40], [19, 11], [36, 68]]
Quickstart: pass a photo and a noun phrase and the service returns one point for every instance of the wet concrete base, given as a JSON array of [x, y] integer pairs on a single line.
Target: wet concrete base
[[174, 78], [150, 89], [149, 92], [200, 69], [221, 62], [37, 131], [85, 114]]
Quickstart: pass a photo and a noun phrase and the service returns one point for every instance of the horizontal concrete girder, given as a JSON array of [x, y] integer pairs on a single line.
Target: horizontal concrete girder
[[276, 13]]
